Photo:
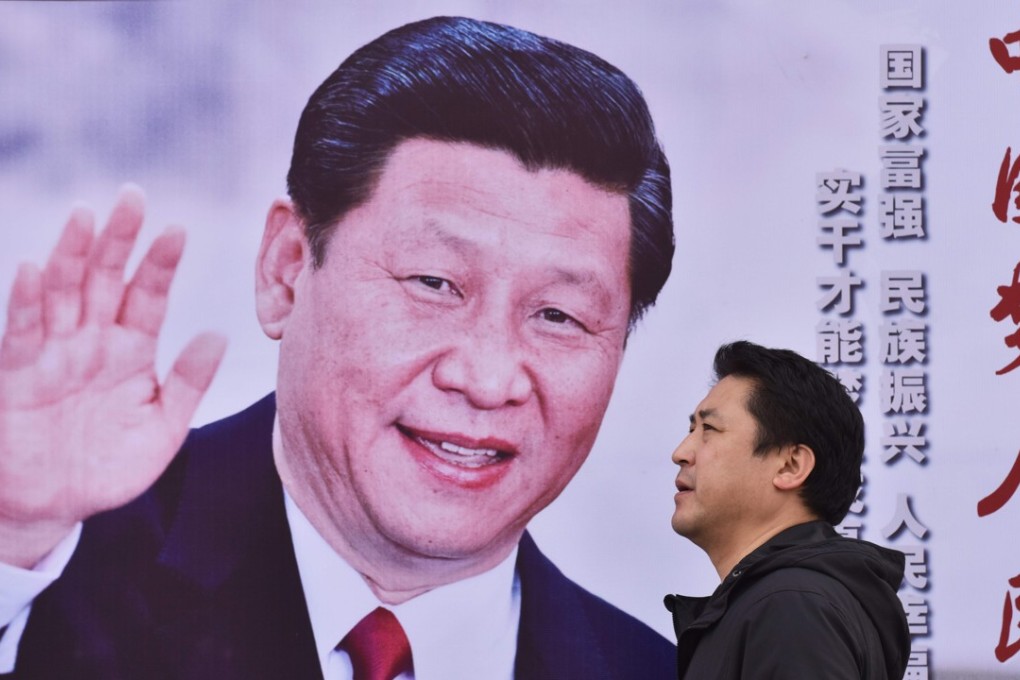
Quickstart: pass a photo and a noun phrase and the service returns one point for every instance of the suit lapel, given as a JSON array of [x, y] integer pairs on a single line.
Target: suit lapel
[[555, 639], [231, 541]]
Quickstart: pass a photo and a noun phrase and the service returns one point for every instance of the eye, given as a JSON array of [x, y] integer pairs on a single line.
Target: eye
[[704, 427], [555, 315], [438, 284], [561, 319]]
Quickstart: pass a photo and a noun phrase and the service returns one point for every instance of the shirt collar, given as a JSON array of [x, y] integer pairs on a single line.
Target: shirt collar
[[461, 630]]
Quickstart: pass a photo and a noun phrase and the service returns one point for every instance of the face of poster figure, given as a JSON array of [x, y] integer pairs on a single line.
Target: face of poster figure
[[445, 372]]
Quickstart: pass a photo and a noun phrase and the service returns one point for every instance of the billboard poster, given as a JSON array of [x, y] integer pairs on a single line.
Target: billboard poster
[[846, 183]]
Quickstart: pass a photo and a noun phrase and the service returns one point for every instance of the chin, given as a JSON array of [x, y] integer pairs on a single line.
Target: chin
[[680, 527], [451, 540]]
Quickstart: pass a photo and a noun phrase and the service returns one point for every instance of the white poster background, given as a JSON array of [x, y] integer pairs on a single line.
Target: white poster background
[[198, 102]]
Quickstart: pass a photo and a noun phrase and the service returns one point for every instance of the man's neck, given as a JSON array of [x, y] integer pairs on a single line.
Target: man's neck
[[725, 557]]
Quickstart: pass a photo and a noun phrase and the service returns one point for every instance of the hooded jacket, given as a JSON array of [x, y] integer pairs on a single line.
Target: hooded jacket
[[806, 604]]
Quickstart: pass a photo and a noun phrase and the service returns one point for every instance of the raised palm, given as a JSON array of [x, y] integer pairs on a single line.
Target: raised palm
[[85, 424]]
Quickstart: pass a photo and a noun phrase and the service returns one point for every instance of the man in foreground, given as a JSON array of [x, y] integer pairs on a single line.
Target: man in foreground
[[477, 217], [771, 464]]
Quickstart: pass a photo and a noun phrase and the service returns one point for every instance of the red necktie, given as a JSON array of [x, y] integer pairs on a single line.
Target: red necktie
[[378, 647]]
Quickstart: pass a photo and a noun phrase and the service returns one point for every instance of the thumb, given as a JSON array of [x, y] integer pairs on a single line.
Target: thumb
[[190, 377]]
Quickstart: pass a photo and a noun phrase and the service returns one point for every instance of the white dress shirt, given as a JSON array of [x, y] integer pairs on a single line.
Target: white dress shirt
[[461, 631]]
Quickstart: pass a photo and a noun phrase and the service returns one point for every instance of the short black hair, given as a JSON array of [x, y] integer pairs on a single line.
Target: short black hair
[[796, 401], [550, 104]]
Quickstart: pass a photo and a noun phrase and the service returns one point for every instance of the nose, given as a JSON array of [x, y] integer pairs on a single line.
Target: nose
[[682, 454], [487, 365]]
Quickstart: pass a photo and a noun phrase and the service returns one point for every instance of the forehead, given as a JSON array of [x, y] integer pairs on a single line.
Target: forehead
[[728, 398], [429, 178]]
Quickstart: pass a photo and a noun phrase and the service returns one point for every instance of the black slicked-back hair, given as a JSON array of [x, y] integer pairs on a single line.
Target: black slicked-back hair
[[795, 401], [452, 79]]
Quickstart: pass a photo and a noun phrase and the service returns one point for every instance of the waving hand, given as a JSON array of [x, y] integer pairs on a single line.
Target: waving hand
[[85, 423]]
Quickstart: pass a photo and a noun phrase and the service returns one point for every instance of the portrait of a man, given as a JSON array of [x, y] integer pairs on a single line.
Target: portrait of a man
[[477, 216]]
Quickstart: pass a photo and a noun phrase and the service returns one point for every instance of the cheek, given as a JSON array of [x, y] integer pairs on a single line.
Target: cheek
[[366, 334], [575, 392], [592, 378]]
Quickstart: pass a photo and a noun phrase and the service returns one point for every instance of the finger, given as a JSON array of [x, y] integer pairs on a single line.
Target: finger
[[23, 338], [64, 273], [190, 376], [104, 282], [144, 304]]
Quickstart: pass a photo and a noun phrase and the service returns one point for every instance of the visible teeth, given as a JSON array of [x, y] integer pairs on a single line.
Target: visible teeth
[[463, 451], [461, 455]]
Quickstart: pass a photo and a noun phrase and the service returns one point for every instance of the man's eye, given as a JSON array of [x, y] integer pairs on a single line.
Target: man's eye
[[439, 284], [556, 316]]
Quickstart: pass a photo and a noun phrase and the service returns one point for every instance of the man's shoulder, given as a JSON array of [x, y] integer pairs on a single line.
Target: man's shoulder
[[215, 466], [796, 589], [253, 421], [813, 557], [566, 631], [792, 577], [800, 577], [242, 433]]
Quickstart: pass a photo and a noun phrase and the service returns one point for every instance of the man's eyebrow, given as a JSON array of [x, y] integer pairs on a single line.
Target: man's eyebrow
[[467, 247], [460, 244], [584, 278], [703, 414]]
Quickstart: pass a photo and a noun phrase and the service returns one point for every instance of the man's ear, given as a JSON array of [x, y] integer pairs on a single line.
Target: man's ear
[[283, 255], [796, 463]]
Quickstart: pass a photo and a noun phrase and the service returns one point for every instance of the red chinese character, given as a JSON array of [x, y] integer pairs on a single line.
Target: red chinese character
[[1000, 51], [1009, 305], [1005, 650], [1001, 496], [1006, 186]]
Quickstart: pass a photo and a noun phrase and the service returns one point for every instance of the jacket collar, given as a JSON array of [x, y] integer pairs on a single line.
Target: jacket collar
[[231, 498], [702, 612], [229, 539]]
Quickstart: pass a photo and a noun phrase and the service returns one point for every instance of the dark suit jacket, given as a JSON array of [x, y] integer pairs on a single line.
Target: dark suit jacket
[[197, 579]]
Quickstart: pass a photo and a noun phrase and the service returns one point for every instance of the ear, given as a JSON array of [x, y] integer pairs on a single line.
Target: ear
[[283, 255], [796, 463]]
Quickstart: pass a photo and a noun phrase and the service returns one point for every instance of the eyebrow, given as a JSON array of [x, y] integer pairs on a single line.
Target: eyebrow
[[704, 413], [469, 248], [585, 279], [459, 244]]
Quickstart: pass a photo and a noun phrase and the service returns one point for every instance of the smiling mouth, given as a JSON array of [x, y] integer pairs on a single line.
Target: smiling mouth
[[457, 454]]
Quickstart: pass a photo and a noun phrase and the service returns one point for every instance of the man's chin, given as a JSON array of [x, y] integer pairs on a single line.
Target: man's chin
[[451, 542], [680, 526]]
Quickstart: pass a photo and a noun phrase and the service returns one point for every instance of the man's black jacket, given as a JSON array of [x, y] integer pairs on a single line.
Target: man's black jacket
[[806, 604]]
